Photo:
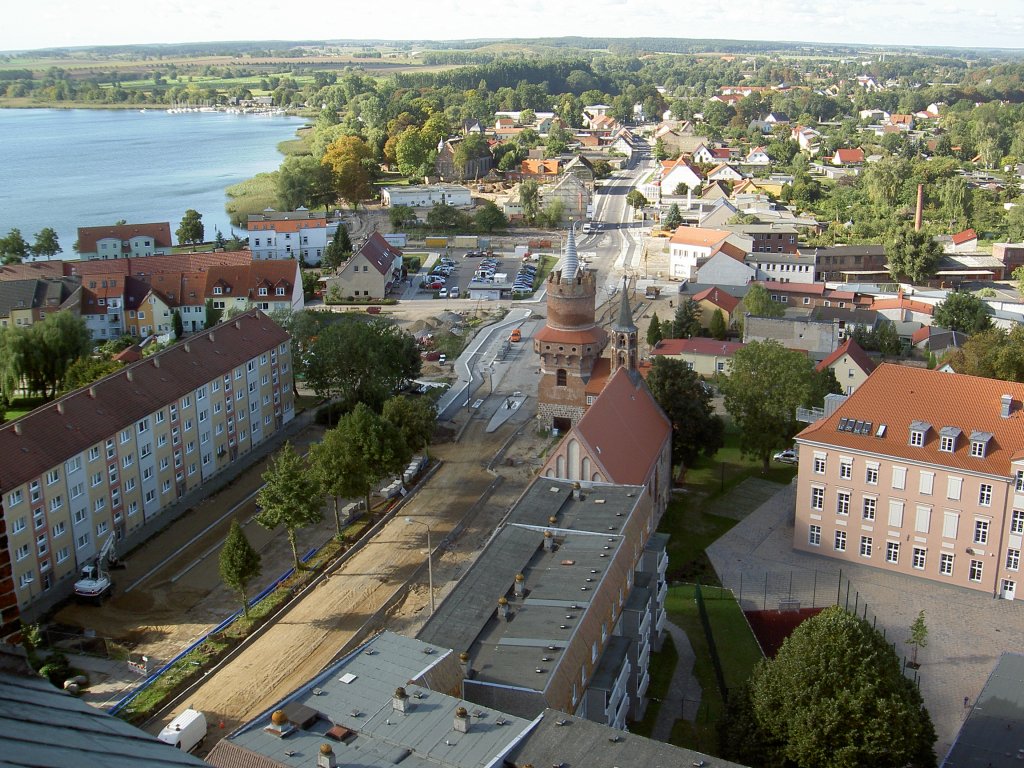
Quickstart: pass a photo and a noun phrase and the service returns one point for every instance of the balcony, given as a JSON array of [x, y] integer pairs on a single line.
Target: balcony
[[659, 625]]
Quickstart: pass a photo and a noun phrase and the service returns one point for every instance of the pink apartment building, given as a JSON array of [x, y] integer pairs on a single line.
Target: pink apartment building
[[921, 473]]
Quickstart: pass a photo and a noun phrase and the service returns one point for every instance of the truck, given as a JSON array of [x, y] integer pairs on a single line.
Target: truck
[[186, 731], [94, 581]]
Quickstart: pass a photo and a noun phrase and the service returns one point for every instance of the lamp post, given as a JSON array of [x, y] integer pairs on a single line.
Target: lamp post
[[430, 560]]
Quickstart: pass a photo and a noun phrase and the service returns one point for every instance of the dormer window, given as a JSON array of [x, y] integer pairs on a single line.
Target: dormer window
[[217, 290], [979, 444], [918, 430], [947, 439]]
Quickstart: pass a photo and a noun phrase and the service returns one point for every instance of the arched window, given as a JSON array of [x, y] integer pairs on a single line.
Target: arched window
[[561, 377]]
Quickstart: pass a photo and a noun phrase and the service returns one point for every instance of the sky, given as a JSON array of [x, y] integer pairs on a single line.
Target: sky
[[947, 23]]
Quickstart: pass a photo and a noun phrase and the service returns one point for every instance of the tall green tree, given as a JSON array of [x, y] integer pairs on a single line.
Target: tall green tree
[[912, 255], [489, 217], [717, 325], [190, 231], [339, 250], [368, 449], [654, 334], [636, 199], [415, 419], [304, 182], [177, 325], [46, 243], [86, 370], [13, 247], [291, 497], [401, 216], [347, 157], [686, 323], [696, 428], [834, 697], [529, 199], [992, 354], [758, 302], [239, 563], [764, 386], [962, 311], [674, 218]]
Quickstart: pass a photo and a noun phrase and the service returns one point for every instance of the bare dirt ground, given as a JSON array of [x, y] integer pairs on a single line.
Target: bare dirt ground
[[309, 636]]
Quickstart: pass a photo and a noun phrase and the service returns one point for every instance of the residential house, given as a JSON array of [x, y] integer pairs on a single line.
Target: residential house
[[938, 341], [1010, 254], [572, 193], [580, 167], [147, 311], [817, 338], [679, 142], [715, 190], [848, 157], [963, 242], [768, 238], [901, 122], [724, 172], [540, 170], [706, 357], [725, 270], [594, 111], [808, 138], [270, 286], [26, 302], [714, 299], [850, 364], [108, 459], [471, 126], [777, 118], [124, 240], [185, 294], [901, 308], [868, 83], [920, 473], [300, 234], [717, 216], [690, 247], [675, 173], [375, 267], [850, 319], [809, 295], [873, 115], [782, 267], [702, 154], [448, 170], [758, 156], [426, 195]]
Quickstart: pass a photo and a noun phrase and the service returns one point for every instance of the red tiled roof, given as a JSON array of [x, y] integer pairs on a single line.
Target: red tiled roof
[[89, 236], [150, 265], [964, 237], [897, 395], [698, 236], [32, 270], [718, 297], [244, 280], [697, 346], [592, 335], [856, 353], [902, 302], [80, 419], [625, 429], [537, 167], [379, 252], [850, 155], [598, 376]]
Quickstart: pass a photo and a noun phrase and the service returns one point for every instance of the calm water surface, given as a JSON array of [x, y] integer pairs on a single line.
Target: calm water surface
[[74, 168]]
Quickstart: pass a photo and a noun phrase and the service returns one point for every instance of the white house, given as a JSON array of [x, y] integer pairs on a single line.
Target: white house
[[702, 154], [758, 156], [299, 234], [724, 172], [676, 172], [427, 195], [690, 247]]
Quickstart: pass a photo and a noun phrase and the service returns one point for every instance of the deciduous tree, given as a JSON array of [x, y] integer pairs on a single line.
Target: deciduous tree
[[834, 697], [758, 302], [190, 231], [46, 243], [489, 217], [239, 563], [636, 199], [290, 497], [962, 311], [717, 325], [764, 385], [415, 419], [13, 247], [696, 429], [401, 216], [346, 156], [912, 255], [918, 637], [302, 181], [529, 199]]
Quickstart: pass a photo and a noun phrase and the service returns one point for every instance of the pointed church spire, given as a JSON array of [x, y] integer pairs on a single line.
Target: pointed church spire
[[625, 323], [570, 262]]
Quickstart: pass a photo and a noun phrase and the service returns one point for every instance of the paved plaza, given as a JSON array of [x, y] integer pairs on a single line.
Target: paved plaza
[[967, 630]]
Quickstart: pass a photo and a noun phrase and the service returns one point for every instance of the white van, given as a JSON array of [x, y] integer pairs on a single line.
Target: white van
[[186, 731]]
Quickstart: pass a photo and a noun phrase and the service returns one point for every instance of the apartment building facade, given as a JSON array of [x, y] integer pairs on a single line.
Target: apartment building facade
[[122, 241], [921, 473], [107, 459], [300, 234]]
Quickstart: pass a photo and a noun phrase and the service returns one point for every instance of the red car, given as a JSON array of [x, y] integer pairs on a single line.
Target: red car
[[434, 286]]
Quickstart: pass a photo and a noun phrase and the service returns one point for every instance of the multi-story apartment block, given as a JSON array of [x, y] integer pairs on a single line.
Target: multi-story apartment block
[[124, 240], [300, 234], [921, 473], [107, 459]]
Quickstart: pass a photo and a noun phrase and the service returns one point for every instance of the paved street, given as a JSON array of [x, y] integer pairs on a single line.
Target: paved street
[[967, 630]]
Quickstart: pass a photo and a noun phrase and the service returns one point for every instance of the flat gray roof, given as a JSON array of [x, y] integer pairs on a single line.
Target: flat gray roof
[[356, 694], [992, 737], [42, 726]]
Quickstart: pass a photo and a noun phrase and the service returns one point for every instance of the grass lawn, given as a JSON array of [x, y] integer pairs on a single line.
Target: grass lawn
[[21, 405], [737, 650], [688, 520]]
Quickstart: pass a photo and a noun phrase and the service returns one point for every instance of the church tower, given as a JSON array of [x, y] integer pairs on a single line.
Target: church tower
[[624, 335], [570, 343]]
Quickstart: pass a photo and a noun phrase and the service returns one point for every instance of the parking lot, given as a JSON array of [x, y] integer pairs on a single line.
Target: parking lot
[[447, 276]]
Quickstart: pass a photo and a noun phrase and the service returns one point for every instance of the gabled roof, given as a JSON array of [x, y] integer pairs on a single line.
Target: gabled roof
[[625, 429], [243, 281], [856, 353], [379, 252], [31, 270], [849, 156], [719, 298], [698, 236], [31, 445], [89, 236], [697, 346], [539, 167], [964, 237], [897, 395]]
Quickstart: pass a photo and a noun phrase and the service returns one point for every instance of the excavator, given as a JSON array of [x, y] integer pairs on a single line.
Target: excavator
[[94, 580]]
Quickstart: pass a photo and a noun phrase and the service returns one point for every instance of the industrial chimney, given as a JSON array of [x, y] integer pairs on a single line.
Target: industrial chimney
[[920, 208]]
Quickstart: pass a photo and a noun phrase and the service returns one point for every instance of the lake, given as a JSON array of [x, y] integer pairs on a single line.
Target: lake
[[83, 167]]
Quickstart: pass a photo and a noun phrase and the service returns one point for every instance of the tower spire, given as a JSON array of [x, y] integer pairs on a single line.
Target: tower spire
[[624, 334], [570, 262], [625, 323]]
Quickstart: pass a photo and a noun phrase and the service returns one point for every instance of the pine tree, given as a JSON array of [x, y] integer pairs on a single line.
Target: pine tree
[[717, 325], [178, 325], [654, 332], [239, 563]]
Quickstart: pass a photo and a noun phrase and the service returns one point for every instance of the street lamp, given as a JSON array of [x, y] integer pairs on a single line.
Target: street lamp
[[430, 560]]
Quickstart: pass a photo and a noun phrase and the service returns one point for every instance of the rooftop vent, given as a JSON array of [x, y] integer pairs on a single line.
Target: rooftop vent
[[1006, 406], [461, 723]]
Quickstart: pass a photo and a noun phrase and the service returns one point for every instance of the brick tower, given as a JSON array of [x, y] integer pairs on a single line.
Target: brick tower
[[569, 344]]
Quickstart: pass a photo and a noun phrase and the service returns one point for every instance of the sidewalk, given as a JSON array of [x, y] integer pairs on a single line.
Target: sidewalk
[[684, 688]]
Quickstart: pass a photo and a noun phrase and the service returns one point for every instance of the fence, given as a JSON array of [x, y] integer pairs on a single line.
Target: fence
[[716, 663]]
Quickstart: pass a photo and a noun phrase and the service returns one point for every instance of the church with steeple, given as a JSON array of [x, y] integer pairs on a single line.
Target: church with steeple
[[571, 343]]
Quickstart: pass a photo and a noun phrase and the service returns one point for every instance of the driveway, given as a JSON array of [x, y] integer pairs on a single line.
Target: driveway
[[967, 630]]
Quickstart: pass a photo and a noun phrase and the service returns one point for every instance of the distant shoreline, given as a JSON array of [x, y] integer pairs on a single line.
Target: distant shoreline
[[22, 104]]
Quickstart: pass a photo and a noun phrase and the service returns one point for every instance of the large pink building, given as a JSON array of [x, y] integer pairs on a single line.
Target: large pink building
[[921, 473]]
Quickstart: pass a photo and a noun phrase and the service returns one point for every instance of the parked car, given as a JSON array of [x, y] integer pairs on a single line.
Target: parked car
[[454, 292], [516, 335], [433, 285], [788, 456], [443, 293], [442, 359]]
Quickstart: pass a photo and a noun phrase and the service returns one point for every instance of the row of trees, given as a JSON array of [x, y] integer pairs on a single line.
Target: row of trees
[[14, 248]]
